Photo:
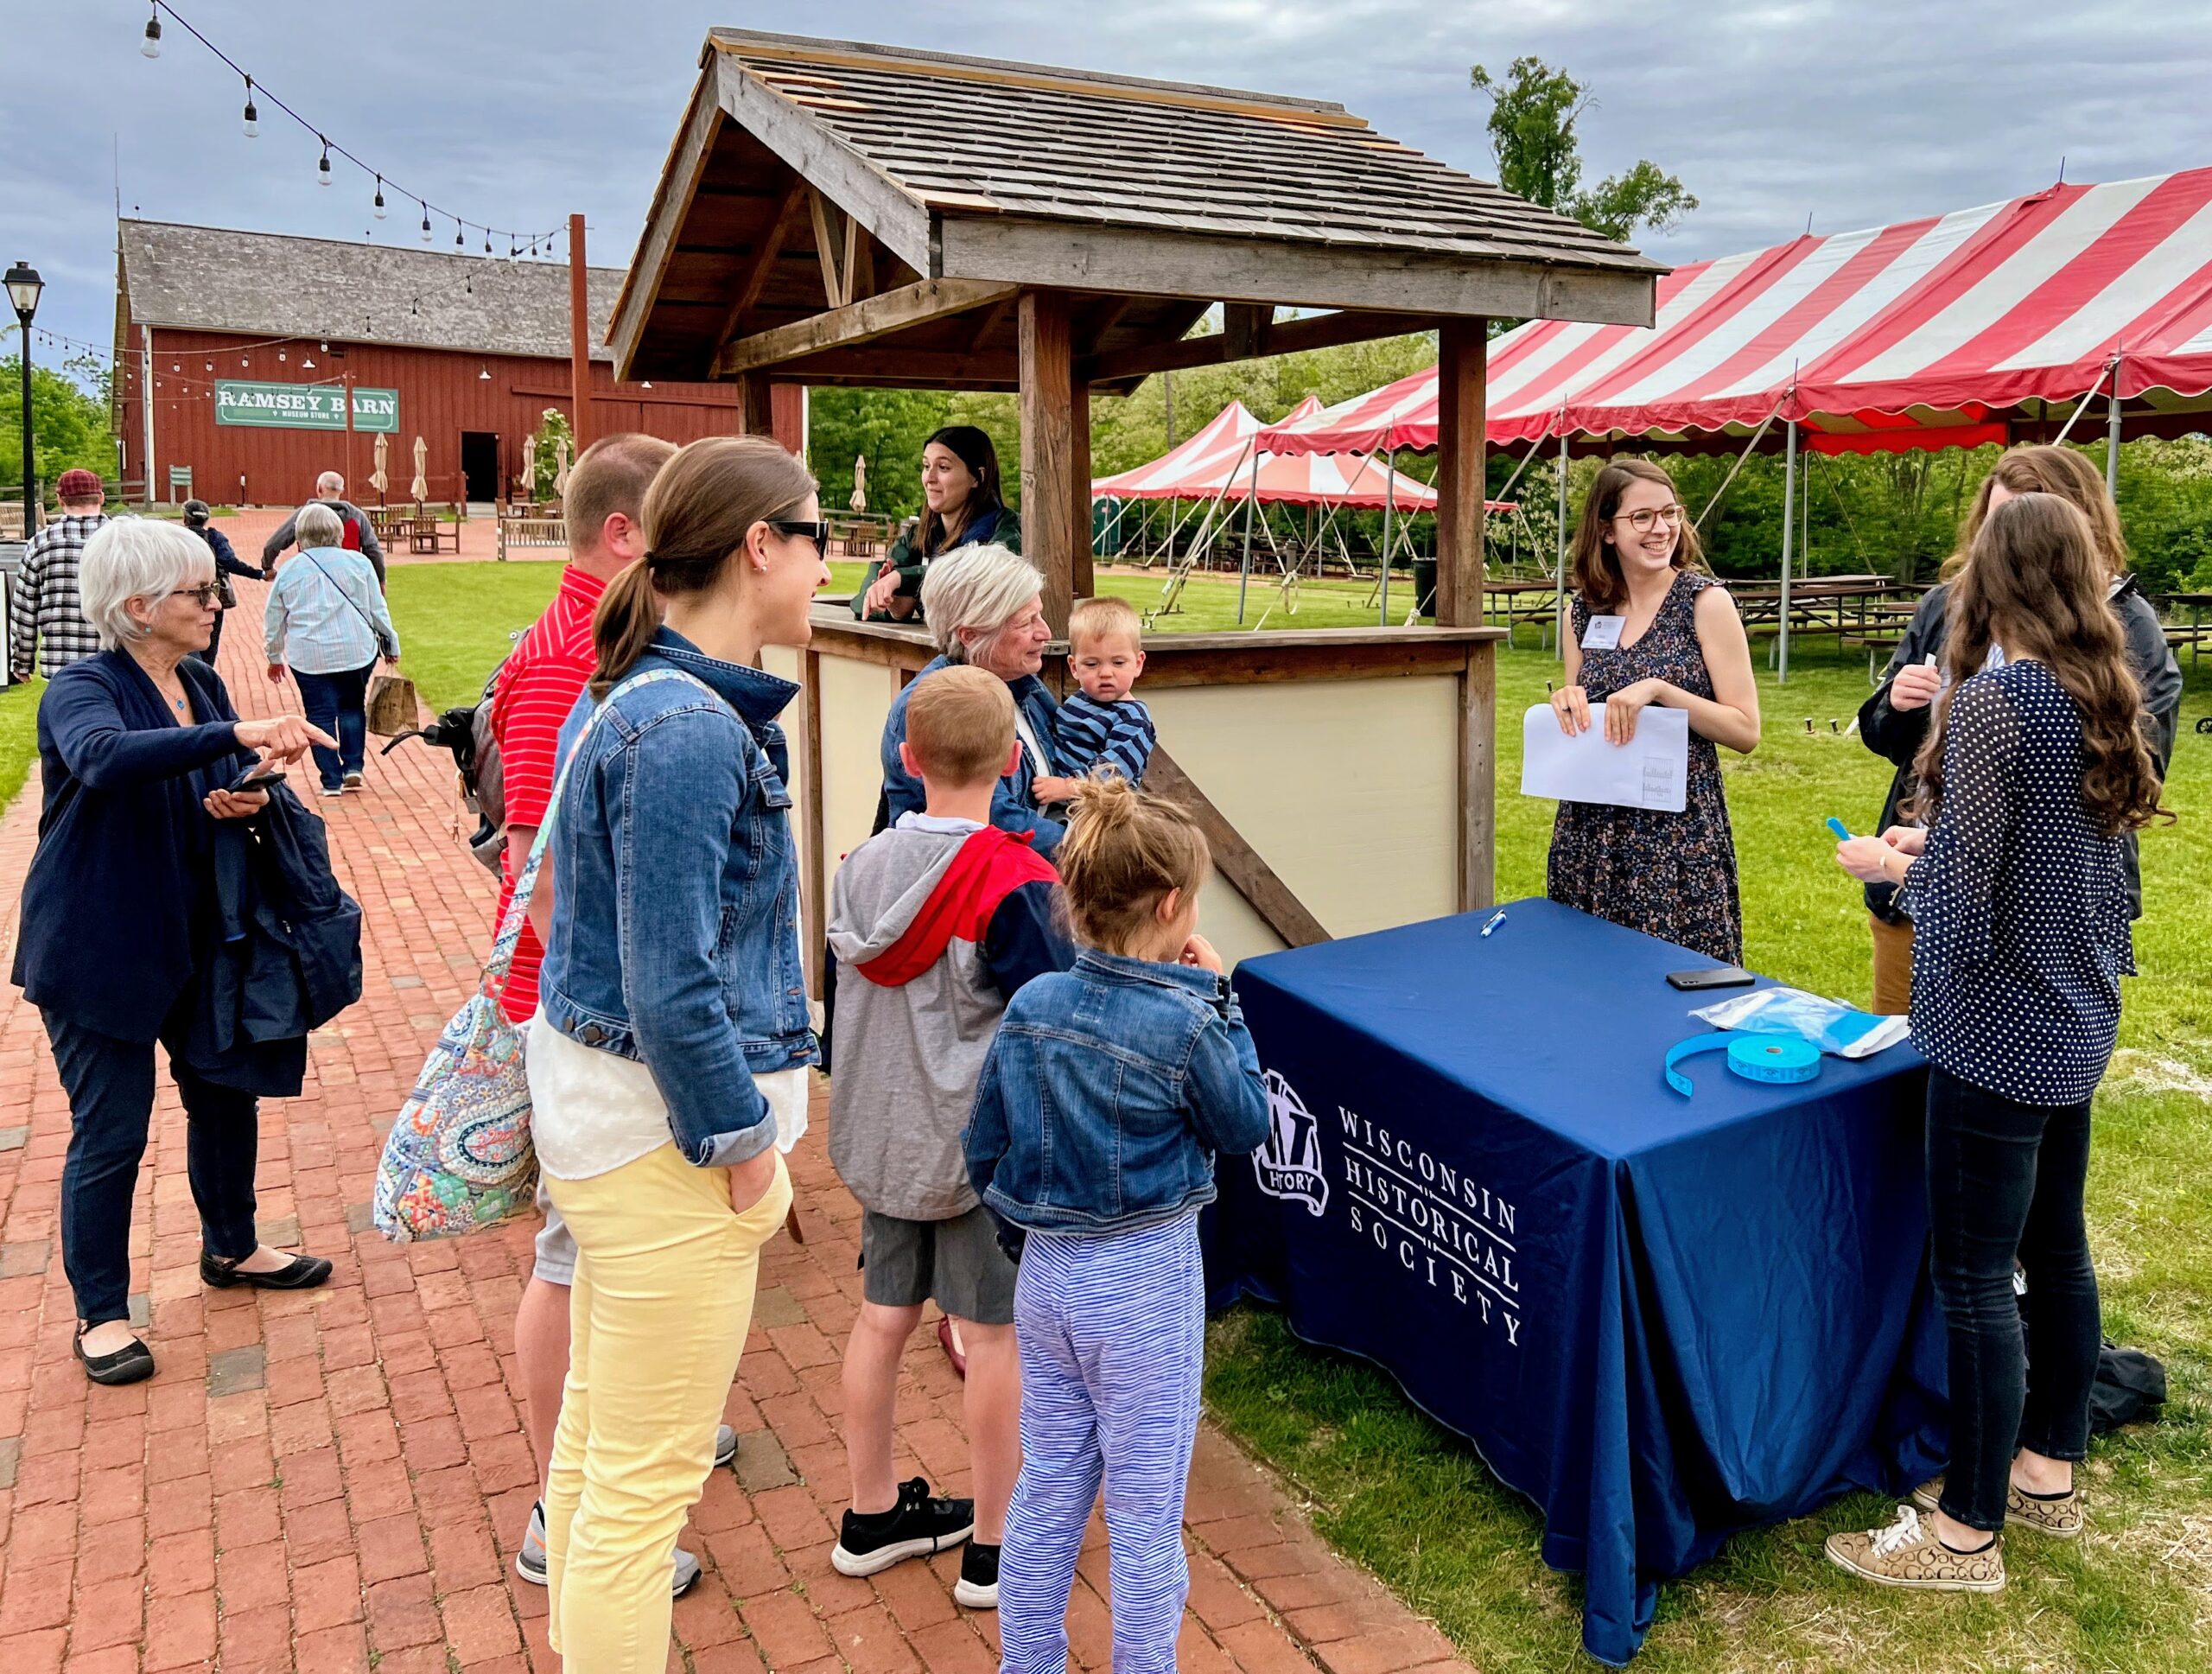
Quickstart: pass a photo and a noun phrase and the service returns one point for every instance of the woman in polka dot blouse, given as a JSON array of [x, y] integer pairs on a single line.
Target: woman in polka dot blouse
[[2035, 768]]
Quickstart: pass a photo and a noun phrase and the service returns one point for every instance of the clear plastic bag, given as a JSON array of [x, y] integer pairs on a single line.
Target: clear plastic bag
[[1828, 1024]]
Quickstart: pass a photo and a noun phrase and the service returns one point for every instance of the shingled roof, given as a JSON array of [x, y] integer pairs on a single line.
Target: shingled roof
[[969, 135], [211, 278]]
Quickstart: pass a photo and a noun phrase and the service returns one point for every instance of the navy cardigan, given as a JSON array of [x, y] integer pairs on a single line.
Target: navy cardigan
[[124, 851]]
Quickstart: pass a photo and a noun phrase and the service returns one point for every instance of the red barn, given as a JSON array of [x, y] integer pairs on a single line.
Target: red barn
[[247, 342]]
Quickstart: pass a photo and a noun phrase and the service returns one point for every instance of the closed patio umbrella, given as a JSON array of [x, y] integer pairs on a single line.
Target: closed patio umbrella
[[421, 488]]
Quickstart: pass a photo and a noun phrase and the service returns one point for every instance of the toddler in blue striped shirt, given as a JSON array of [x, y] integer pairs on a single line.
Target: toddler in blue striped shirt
[[1100, 728]]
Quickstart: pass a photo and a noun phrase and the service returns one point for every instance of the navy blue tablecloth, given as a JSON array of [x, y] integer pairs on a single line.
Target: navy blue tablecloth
[[1661, 1319]]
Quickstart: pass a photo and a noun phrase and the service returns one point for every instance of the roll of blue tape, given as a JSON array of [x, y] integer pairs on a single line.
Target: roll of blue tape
[[1775, 1059]]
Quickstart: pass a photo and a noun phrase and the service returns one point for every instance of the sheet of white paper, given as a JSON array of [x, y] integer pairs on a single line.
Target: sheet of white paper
[[1650, 770]]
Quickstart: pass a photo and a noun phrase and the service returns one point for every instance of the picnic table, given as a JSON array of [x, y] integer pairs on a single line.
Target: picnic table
[[2193, 636]]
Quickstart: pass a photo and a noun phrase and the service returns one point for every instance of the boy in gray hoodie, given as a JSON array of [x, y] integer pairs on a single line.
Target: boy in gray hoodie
[[942, 918]]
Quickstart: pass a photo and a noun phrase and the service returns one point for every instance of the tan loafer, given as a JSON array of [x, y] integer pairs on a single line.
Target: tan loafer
[[2060, 1519], [1907, 1554]]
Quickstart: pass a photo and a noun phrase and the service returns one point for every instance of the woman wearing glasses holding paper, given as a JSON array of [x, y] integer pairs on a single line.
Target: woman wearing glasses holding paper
[[1652, 626]]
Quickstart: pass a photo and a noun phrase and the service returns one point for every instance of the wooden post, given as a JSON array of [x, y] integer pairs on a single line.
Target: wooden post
[[1083, 583], [1459, 474], [1478, 777], [756, 414], [1048, 491], [579, 336]]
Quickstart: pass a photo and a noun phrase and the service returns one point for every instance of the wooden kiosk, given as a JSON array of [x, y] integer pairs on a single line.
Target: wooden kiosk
[[839, 213]]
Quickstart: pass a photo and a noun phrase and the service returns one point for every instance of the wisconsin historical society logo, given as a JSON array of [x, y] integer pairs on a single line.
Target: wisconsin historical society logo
[[1289, 1165]]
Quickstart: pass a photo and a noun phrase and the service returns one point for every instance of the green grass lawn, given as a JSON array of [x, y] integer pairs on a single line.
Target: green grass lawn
[[1411, 1501], [18, 736]]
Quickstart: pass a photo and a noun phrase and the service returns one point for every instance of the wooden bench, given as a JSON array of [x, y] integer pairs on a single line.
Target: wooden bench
[[532, 530]]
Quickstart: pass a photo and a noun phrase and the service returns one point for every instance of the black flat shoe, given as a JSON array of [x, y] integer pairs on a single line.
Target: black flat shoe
[[301, 1273], [132, 1364]]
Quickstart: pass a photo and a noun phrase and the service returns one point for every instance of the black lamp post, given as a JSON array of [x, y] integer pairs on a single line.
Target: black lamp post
[[23, 288]]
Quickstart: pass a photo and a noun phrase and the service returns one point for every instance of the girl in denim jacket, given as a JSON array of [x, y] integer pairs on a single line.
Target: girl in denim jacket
[[1106, 1094]]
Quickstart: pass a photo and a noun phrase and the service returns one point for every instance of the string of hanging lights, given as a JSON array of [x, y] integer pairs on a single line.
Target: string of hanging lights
[[519, 243]]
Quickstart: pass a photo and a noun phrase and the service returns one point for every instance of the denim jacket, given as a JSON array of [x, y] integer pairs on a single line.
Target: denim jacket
[[676, 890], [1107, 1093]]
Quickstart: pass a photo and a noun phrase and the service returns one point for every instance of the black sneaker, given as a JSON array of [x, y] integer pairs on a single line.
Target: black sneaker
[[916, 1526], [978, 1587]]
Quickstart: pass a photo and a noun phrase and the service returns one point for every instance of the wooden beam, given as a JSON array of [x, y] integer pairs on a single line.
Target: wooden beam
[[1459, 472], [1081, 581], [580, 419], [756, 413], [1478, 777], [1296, 272], [763, 264], [1048, 487], [1320, 331], [855, 185], [994, 316], [858, 263], [860, 322], [679, 183], [1236, 860], [831, 224], [1244, 330]]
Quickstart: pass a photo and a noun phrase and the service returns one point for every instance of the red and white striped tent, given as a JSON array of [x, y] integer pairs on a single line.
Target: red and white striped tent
[[1951, 330], [1216, 463]]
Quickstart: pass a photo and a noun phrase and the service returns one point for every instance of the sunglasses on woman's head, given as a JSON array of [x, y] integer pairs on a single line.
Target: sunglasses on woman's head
[[818, 531], [206, 592]]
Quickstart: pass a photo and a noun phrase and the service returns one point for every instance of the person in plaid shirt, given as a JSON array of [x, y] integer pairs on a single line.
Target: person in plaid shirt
[[46, 614]]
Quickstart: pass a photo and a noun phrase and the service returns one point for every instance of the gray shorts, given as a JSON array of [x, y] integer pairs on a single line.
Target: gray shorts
[[958, 1263], [557, 1245]]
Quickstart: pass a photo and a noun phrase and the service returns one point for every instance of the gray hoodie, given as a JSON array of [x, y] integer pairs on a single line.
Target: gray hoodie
[[919, 994]]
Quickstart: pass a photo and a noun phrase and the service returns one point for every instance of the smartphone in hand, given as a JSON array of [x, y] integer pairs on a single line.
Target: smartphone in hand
[[258, 777]]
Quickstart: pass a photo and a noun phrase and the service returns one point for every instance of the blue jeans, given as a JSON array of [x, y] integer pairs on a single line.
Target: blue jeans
[[2005, 1178], [338, 703], [111, 1087]]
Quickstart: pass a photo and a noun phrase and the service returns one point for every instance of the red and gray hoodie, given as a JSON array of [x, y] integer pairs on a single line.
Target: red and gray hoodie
[[935, 924]]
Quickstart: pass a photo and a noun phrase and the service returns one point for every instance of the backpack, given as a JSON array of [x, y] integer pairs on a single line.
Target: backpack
[[466, 731]]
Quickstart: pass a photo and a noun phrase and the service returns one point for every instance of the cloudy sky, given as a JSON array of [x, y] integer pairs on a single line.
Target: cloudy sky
[[516, 111]]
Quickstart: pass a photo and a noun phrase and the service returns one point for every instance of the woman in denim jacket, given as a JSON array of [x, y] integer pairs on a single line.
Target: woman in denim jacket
[[672, 1027], [1106, 1095]]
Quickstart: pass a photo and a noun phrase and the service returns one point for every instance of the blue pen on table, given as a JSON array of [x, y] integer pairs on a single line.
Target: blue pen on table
[[1836, 826], [1493, 921]]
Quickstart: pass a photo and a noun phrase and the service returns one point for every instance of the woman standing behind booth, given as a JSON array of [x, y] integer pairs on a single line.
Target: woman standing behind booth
[[2034, 771], [1650, 626], [1894, 721], [964, 507]]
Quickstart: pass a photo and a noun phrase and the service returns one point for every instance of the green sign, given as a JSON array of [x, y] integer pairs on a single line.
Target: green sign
[[303, 406]]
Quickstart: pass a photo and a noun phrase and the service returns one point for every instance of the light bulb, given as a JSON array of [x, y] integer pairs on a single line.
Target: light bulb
[[426, 225], [152, 46], [379, 197], [322, 168], [306, 365], [252, 116]]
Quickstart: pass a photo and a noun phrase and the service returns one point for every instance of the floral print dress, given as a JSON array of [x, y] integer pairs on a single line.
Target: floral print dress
[[1669, 875]]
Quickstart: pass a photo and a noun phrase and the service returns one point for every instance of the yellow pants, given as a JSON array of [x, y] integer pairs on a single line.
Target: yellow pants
[[1892, 967], [662, 1301]]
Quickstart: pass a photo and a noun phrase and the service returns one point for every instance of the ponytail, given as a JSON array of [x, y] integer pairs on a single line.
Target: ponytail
[[698, 512], [624, 624], [1123, 851]]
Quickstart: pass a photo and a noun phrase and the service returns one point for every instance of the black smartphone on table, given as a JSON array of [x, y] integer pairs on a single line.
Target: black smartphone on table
[[1719, 976]]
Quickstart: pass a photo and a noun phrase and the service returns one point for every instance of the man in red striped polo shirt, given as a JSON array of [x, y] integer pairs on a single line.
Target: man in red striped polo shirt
[[539, 687]]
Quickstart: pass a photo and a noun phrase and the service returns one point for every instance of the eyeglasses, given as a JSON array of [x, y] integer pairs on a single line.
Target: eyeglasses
[[818, 531], [1643, 520], [205, 593]]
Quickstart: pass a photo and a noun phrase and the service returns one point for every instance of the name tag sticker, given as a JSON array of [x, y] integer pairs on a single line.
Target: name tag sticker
[[1603, 632]]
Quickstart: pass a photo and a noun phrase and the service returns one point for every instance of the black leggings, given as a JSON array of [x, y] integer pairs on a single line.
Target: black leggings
[[2005, 1181]]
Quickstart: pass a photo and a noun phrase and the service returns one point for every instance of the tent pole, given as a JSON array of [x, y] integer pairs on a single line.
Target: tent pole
[[2111, 433], [1559, 573], [1244, 577], [1390, 504], [1789, 527]]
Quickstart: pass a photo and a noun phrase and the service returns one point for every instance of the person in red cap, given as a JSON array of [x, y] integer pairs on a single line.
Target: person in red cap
[[46, 614]]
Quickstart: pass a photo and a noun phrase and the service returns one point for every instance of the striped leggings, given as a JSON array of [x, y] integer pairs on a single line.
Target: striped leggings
[[1112, 1332]]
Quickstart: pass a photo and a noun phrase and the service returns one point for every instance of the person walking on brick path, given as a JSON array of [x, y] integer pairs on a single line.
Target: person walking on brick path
[[673, 1029], [46, 619], [940, 920], [536, 689], [138, 747], [357, 533], [1140, 1055], [227, 563], [327, 610]]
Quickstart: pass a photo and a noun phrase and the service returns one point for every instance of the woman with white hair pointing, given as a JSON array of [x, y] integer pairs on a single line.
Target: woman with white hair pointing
[[142, 755]]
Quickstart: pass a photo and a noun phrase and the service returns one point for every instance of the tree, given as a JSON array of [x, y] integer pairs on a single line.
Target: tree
[[1532, 116], [888, 427], [71, 419]]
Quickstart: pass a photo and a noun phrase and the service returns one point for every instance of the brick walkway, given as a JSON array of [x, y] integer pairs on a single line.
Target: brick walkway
[[334, 1480]]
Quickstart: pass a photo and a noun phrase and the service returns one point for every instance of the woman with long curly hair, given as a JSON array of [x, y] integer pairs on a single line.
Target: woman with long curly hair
[[2034, 771]]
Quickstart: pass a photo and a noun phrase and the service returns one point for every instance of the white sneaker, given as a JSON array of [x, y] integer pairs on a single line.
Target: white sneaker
[[530, 1561]]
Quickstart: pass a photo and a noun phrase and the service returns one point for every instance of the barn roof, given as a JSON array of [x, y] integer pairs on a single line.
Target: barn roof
[[809, 176], [211, 278]]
